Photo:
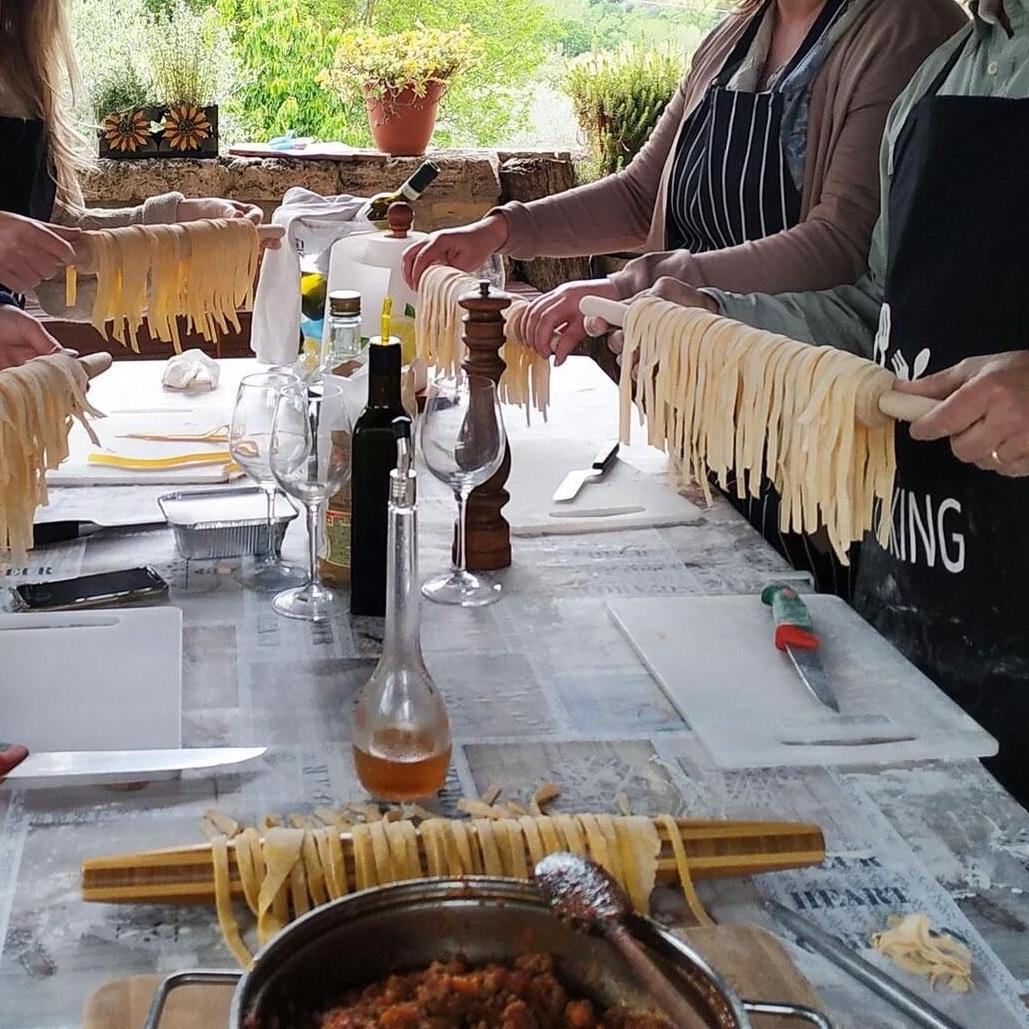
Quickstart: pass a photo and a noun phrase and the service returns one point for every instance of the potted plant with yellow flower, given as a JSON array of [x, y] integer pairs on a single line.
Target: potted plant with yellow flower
[[402, 76]]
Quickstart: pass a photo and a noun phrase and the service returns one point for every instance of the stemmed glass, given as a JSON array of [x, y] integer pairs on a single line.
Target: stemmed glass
[[492, 270], [249, 443], [463, 442], [310, 459]]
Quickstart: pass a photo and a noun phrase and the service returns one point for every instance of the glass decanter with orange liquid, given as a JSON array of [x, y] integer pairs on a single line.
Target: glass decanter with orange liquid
[[401, 736]]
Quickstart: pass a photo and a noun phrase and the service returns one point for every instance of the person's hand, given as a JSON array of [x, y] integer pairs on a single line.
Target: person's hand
[[32, 251], [216, 207], [665, 288], [22, 337], [984, 411], [467, 248], [11, 755], [554, 325]]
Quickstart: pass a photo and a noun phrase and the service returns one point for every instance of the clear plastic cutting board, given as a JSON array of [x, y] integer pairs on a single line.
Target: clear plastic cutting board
[[715, 658]]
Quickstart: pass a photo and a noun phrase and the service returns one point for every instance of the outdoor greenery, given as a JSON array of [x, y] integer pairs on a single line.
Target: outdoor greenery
[[132, 57], [265, 61], [618, 97], [184, 56]]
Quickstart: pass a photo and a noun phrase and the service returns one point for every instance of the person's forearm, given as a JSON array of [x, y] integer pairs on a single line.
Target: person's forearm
[[817, 254], [605, 216], [156, 210], [845, 317]]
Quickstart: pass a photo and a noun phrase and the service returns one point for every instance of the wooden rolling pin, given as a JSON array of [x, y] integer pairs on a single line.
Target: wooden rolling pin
[[96, 364], [85, 263], [716, 849], [901, 407]]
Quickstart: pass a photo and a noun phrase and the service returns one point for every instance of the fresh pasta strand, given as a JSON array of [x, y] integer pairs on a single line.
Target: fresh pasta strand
[[439, 330], [719, 396], [39, 400], [202, 270]]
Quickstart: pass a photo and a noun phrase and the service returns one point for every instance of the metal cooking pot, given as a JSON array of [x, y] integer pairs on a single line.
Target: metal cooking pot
[[367, 936]]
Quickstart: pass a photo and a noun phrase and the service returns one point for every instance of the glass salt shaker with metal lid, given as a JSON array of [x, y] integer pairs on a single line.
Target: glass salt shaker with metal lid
[[343, 349]]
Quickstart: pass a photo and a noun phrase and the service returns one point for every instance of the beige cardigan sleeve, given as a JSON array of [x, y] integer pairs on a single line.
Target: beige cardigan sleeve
[[849, 106]]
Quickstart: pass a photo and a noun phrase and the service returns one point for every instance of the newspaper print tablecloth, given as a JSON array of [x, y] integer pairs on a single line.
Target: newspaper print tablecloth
[[540, 687]]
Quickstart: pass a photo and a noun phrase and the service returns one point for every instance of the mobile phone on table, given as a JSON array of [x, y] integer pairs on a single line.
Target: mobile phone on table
[[107, 589]]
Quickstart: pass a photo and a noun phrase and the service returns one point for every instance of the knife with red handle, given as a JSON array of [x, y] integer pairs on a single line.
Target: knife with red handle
[[795, 635]]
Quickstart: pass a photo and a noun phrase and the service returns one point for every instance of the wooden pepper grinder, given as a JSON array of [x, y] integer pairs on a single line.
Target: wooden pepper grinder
[[488, 536]]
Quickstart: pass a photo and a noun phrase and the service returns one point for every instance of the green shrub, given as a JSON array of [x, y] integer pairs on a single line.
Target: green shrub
[[190, 56], [118, 90], [618, 98]]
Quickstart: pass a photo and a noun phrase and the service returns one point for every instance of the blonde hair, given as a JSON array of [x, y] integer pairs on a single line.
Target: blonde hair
[[36, 60]]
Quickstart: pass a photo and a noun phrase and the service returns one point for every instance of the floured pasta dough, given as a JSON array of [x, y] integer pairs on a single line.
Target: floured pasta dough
[[439, 331], [202, 270], [719, 396], [38, 402], [911, 943]]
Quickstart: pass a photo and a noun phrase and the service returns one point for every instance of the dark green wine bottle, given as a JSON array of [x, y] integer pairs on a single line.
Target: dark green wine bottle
[[375, 456]]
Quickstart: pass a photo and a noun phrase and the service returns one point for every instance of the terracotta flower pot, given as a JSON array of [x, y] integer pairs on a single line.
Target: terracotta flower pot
[[402, 123]]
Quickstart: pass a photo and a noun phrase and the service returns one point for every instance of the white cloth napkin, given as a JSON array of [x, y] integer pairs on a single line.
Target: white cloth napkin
[[313, 223], [192, 369]]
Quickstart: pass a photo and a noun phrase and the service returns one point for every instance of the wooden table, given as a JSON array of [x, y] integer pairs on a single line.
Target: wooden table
[[540, 686]]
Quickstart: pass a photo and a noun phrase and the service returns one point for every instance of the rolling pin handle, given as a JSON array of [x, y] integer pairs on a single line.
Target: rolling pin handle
[[905, 407], [611, 311]]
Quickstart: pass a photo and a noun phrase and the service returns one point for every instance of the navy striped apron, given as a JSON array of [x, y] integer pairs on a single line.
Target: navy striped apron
[[731, 184]]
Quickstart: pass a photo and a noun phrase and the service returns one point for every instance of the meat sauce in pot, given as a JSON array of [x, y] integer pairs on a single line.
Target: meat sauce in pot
[[526, 994]]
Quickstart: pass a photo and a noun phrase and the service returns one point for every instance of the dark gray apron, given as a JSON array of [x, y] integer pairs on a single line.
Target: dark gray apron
[[949, 590]]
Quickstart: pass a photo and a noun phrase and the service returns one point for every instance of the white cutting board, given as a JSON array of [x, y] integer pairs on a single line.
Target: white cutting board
[[715, 658], [539, 464], [92, 680], [130, 394], [77, 471]]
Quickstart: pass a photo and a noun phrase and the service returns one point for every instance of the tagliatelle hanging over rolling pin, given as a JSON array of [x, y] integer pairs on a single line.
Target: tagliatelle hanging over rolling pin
[[439, 332], [203, 271], [38, 402], [719, 396]]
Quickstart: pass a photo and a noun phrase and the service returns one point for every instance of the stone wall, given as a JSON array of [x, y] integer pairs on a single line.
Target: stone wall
[[470, 183]]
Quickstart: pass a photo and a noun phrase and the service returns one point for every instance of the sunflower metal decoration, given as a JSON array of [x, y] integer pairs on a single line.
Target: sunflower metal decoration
[[127, 131], [186, 127]]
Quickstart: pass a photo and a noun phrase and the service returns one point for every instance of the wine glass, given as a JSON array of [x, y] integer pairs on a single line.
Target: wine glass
[[464, 443], [249, 439], [492, 270], [310, 459]]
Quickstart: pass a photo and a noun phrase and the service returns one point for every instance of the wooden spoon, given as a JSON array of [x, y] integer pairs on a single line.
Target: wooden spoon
[[582, 894]]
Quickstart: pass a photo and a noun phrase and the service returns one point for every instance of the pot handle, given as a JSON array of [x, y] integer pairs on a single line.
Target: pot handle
[[787, 1011], [198, 977]]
